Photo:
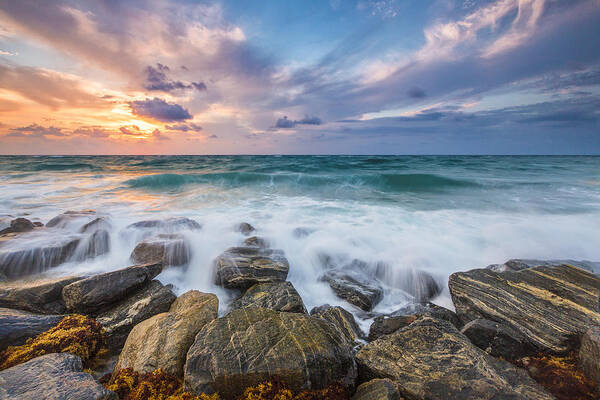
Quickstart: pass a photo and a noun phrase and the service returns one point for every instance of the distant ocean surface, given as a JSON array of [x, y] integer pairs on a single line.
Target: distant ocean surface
[[438, 214]]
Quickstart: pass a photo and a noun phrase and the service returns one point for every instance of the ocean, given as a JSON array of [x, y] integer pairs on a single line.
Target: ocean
[[437, 214]]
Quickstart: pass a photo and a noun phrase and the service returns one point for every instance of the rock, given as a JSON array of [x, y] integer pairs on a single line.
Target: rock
[[245, 228], [384, 325], [589, 354], [94, 294], [517, 264], [377, 389], [429, 309], [97, 224], [251, 345], [70, 218], [360, 293], [163, 340], [498, 340], [122, 317], [18, 225], [301, 232], [52, 376], [242, 267], [551, 306], [430, 359], [170, 225], [170, 249], [277, 296], [255, 241], [36, 295], [342, 319], [421, 285], [17, 326], [94, 245]]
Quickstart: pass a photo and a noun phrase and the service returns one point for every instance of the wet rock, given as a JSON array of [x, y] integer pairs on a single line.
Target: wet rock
[[377, 389], [170, 249], [341, 318], [277, 296], [384, 325], [100, 223], [421, 285], [94, 245], [255, 241], [517, 264], [18, 225], [17, 326], [551, 306], [242, 267], [96, 293], [430, 359], [497, 339], [170, 225], [52, 376], [358, 292], [122, 317], [589, 354], [245, 228], [431, 310], [71, 218], [36, 295], [251, 345], [301, 232], [163, 340]]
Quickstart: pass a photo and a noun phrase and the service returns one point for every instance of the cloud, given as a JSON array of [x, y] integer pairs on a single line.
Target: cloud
[[159, 110], [285, 123], [8, 53], [92, 131], [35, 131], [132, 130], [190, 127], [156, 79], [416, 93], [156, 135]]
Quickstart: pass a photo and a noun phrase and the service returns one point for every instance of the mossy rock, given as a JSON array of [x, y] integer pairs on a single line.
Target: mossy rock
[[277, 296]]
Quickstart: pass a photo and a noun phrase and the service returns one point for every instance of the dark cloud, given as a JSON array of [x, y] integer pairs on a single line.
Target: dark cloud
[[285, 123], [131, 130], [157, 135], [191, 127], [159, 110], [157, 80], [213, 137], [35, 130], [416, 93], [92, 131]]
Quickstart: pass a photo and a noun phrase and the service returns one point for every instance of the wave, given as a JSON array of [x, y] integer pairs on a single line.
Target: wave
[[64, 167]]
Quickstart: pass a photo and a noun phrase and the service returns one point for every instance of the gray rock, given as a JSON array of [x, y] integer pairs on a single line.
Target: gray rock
[[123, 316], [170, 249], [245, 228], [72, 218], [170, 225], [255, 241], [42, 295], [342, 319], [517, 264], [497, 339], [589, 354], [421, 285], [17, 326], [93, 245], [277, 296], [550, 306], [430, 359], [302, 232], [51, 376], [384, 325], [96, 293], [358, 292], [242, 267], [18, 225], [377, 389], [251, 345], [100, 223]]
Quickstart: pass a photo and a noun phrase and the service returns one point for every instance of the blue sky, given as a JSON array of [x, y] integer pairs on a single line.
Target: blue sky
[[309, 77]]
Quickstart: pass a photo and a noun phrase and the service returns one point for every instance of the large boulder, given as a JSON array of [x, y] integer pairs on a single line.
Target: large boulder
[[552, 306], [242, 267], [278, 296], [384, 325], [163, 340], [72, 219], [36, 295], [252, 345], [96, 293], [120, 319], [52, 376], [355, 291], [589, 354], [377, 389], [430, 359], [18, 225], [170, 249], [17, 326], [498, 340], [342, 319]]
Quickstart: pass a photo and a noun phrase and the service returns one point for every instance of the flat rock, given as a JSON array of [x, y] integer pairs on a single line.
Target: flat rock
[[42, 295], [518, 264], [342, 319], [277, 296], [163, 340], [242, 267], [168, 225], [377, 389], [51, 376], [251, 345], [430, 359], [552, 306], [123, 316], [96, 293], [357, 292], [497, 339], [170, 249], [17, 326], [255, 241], [589, 354]]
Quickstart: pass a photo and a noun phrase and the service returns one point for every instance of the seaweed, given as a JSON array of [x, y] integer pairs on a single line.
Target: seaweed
[[278, 390]]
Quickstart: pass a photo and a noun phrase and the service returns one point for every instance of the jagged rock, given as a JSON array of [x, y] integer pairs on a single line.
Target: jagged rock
[[384, 325], [51, 376], [517, 264], [170, 249], [245, 228], [377, 389], [18, 225], [255, 241], [497, 339], [430, 359], [242, 267], [277, 296], [122, 317], [251, 345], [94, 294], [550, 306], [589, 354], [421, 285], [96, 224], [71, 218], [17, 326], [163, 340], [360, 293], [342, 319], [169, 225], [36, 295]]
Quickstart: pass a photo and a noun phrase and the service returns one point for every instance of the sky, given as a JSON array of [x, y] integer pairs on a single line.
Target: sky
[[300, 77]]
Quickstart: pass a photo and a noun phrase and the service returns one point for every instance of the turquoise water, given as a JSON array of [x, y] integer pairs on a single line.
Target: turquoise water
[[433, 213]]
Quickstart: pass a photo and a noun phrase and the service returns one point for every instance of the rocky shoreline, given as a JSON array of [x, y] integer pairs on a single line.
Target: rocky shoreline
[[521, 330]]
